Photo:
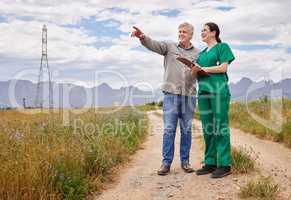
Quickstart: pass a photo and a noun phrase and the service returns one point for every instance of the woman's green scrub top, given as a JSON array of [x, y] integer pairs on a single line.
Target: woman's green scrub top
[[216, 82]]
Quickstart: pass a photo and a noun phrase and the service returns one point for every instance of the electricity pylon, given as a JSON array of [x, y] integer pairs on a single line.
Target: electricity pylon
[[44, 65]]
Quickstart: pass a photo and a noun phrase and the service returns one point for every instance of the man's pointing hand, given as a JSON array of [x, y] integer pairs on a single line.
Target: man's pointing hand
[[137, 33]]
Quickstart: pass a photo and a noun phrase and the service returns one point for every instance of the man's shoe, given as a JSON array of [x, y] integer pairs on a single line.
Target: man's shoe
[[221, 172], [187, 168], [164, 170], [206, 169]]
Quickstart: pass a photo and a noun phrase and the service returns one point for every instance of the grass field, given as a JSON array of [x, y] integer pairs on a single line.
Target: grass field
[[42, 159], [240, 118]]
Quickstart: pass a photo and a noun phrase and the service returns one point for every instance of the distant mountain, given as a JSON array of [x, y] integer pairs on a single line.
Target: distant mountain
[[74, 96], [246, 89]]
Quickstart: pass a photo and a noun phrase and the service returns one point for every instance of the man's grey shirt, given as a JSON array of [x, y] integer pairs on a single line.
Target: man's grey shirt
[[178, 78]]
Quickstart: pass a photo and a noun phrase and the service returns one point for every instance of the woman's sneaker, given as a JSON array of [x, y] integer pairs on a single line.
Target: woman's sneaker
[[221, 172], [206, 169]]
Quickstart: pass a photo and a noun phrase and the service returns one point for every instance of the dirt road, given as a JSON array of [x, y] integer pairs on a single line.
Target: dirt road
[[139, 181]]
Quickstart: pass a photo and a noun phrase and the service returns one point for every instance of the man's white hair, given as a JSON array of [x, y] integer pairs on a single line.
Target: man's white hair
[[189, 26]]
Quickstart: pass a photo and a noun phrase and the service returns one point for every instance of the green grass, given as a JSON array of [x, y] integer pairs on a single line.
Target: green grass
[[242, 161], [197, 114], [241, 118], [42, 159], [263, 188], [150, 106]]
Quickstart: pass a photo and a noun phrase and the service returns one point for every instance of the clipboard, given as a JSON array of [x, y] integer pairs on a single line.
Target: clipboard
[[189, 64]]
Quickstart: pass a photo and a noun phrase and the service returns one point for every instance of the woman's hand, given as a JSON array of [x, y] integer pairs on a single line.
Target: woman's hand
[[195, 69]]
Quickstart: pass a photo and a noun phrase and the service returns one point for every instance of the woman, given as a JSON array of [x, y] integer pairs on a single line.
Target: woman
[[213, 102]]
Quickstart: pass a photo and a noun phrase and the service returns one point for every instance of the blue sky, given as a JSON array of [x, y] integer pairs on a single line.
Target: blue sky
[[86, 38]]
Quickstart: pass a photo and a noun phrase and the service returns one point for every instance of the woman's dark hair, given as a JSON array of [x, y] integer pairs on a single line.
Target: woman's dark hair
[[214, 27]]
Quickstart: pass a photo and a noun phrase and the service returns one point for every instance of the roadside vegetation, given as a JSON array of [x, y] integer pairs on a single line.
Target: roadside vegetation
[[243, 160], [151, 106], [262, 188], [240, 117], [40, 158]]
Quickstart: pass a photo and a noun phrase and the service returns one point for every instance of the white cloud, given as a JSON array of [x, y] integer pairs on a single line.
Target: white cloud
[[258, 64], [248, 23]]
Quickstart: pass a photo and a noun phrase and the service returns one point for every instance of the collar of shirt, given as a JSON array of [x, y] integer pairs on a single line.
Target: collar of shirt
[[189, 48]]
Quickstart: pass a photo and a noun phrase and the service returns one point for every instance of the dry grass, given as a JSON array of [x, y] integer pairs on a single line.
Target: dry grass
[[263, 188], [42, 159], [241, 118], [150, 106], [242, 160]]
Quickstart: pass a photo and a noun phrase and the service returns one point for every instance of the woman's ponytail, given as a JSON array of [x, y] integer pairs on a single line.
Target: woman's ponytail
[[214, 27]]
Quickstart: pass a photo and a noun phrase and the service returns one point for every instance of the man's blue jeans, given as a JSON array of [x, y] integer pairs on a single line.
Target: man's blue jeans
[[177, 107]]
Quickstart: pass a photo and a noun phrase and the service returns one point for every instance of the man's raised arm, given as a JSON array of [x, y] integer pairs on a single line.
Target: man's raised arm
[[156, 46]]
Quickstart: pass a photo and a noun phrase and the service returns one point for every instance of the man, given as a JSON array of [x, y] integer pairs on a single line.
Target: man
[[179, 90]]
